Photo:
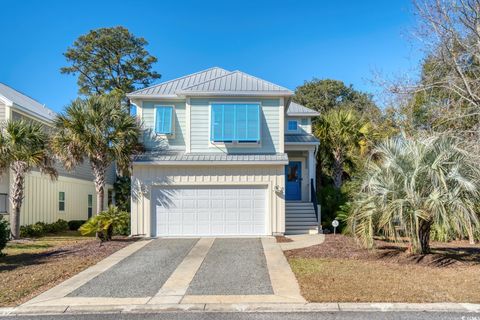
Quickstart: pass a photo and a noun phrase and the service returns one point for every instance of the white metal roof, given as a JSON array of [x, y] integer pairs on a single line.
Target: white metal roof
[[301, 139], [16, 99], [179, 157], [296, 109], [236, 82], [213, 81], [169, 88]]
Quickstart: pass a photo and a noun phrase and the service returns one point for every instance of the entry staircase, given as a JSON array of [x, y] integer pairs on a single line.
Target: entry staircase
[[300, 218]]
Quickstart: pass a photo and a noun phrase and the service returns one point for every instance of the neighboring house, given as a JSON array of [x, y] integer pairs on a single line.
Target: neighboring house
[[71, 196], [227, 154]]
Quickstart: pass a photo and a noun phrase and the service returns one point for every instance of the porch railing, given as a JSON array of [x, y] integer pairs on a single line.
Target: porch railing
[[313, 196]]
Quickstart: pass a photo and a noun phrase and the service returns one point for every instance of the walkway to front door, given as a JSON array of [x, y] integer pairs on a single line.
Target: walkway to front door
[[293, 180]]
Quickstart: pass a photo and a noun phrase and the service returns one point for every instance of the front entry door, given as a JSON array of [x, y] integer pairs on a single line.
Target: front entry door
[[293, 180]]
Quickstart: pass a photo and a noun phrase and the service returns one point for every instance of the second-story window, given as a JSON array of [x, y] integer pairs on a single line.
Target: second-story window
[[292, 125], [163, 119], [235, 123]]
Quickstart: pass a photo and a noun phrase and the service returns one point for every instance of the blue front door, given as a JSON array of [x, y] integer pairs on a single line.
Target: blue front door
[[293, 180]]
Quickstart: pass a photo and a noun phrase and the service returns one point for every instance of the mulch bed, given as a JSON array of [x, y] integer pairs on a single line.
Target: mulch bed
[[27, 274], [451, 254], [283, 239]]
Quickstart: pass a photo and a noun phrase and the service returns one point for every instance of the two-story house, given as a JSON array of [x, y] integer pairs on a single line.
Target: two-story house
[[227, 154], [71, 196]]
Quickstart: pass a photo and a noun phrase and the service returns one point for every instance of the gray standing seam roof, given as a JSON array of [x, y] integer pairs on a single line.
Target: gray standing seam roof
[[171, 87], [298, 109], [207, 157], [26, 102], [213, 81], [234, 82], [301, 138]]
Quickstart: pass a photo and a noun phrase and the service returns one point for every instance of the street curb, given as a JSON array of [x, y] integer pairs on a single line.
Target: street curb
[[252, 307]]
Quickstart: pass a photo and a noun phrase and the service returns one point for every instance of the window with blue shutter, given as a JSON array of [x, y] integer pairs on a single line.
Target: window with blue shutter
[[235, 123], [163, 119]]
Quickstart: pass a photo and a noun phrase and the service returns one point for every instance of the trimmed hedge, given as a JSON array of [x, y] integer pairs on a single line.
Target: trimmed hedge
[[74, 225], [40, 228]]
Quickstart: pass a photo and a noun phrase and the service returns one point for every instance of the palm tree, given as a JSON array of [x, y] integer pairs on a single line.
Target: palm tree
[[99, 130], [343, 134], [23, 146], [412, 184]]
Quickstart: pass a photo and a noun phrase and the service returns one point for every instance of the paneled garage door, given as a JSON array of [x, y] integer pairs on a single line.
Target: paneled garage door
[[210, 210]]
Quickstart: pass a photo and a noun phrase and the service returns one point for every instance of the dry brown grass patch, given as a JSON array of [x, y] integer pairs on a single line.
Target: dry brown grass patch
[[341, 271], [33, 266]]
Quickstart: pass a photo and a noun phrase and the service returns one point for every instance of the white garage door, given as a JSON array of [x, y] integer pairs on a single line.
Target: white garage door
[[210, 211]]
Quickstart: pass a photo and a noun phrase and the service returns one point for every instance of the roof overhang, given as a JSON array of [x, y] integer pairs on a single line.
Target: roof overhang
[[154, 96], [36, 115], [208, 163], [236, 93], [303, 114], [6, 101], [313, 143]]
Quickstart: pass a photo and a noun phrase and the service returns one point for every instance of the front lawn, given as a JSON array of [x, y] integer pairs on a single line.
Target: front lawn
[[33, 266], [340, 271]]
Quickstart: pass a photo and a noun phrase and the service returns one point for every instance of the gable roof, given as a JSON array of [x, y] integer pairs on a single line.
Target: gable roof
[[296, 109], [213, 81], [16, 99]]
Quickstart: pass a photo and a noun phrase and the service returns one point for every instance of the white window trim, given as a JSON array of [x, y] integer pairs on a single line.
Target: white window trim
[[235, 144], [64, 202], [163, 135]]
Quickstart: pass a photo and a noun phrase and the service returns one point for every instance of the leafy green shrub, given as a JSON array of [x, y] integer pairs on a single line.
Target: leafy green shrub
[[60, 225], [107, 223], [40, 229], [4, 234], [74, 225], [122, 189], [33, 230]]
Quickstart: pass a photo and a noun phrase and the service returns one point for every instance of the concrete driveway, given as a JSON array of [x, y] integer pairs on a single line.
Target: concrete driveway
[[185, 272]]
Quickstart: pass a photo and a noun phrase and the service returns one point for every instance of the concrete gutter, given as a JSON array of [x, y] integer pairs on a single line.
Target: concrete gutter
[[252, 307]]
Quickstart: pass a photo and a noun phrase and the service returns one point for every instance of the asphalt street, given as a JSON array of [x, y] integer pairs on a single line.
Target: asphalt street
[[259, 316]]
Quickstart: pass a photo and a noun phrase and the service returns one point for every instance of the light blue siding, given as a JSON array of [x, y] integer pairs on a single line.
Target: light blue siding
[[269, 129], [304, 125], [153, 141]]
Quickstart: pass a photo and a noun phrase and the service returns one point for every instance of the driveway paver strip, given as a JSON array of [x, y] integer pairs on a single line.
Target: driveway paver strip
[[233, 267], [140, 275]]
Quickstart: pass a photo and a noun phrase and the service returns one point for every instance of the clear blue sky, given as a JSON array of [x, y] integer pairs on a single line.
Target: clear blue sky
[[285, 42]]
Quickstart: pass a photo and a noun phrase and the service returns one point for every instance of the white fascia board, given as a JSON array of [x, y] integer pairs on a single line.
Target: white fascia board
[[207, 163], [303, 114], [236, 93], [6, 101], [155, 96], [28, 112], [303, 143]]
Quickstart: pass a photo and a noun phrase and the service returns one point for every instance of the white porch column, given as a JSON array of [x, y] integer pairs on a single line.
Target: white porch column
[[311, 171]]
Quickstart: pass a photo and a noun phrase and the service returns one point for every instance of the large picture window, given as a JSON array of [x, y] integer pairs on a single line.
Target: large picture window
[[235, 123]]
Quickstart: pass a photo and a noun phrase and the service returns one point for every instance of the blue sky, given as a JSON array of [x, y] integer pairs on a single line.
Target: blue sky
[[285, 42]]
